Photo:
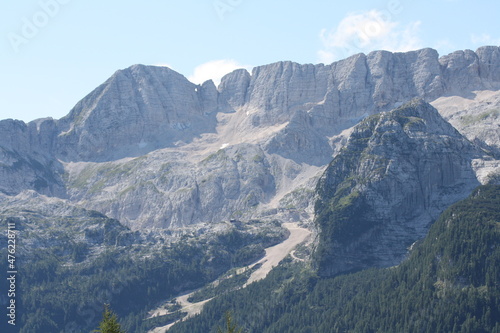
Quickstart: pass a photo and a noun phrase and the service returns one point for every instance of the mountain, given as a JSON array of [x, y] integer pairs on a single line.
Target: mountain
[[158, 107], [154, 150], [449, 283], [153, 186], [398, 171], [70, 261], [137, 110]]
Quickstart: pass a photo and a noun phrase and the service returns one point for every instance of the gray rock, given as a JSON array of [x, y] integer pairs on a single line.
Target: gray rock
[[489, 56], [233, 88], [27, 159], [476, 117], [136, 111], [398, 172], [154, 150]]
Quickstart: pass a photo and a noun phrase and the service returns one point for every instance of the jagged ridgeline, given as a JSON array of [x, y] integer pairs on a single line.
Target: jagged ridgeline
[[153, 186], [450, 283], [151, 149]]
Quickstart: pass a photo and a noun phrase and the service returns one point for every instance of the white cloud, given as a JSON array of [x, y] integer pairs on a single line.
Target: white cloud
[[366, 32], [214, 70], [164, 65], [484, 39]]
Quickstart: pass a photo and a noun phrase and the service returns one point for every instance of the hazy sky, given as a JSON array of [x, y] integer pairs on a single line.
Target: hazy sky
[[54, 52]]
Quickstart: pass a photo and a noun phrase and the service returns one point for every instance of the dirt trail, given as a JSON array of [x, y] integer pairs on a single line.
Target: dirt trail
[[274, 255]]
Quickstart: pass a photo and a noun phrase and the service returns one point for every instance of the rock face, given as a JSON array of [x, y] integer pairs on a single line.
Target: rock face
[[152, 149], [27, 159], [466, 70], [170, 189], [137, 110], [477, 117], [397, 173], [144, 108]]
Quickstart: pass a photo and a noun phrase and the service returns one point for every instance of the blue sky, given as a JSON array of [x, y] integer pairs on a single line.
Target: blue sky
[[54, 52]]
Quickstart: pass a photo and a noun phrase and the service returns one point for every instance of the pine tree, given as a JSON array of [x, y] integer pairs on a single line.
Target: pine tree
[[230, 327], [109, 322]]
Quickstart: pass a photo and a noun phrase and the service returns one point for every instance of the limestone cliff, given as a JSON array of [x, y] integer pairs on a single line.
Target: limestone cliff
[[379, 195], [27, 158], [137, 110], [152, 149]]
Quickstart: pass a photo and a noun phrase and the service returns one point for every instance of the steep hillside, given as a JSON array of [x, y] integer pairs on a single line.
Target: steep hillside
[[397, 173], [450, 283], [71, 261]]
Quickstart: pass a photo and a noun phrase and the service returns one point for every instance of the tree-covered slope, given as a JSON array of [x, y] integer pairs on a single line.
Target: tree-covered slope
[[450, 283], [72, 261]]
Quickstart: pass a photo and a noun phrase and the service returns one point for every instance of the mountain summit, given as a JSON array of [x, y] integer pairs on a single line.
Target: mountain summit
[[397, 173], [153, 185], [150, 148]]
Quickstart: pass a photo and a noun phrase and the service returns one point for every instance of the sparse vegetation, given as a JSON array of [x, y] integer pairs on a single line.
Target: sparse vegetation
[[474, 119]]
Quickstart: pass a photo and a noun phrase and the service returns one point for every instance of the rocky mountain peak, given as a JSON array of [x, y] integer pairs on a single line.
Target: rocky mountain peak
[[137, 147], [143, 108], [137, 110], [489, 56], [398, 171], [233, 88]]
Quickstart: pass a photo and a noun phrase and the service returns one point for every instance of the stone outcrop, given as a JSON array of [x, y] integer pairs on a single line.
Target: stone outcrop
[[397, 173]]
